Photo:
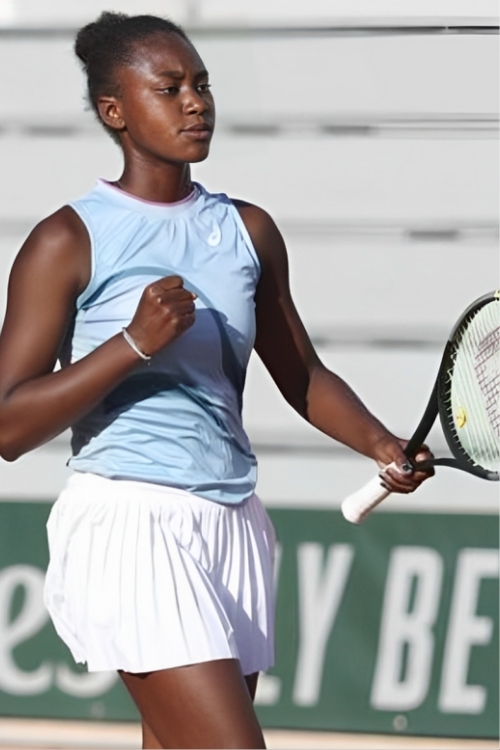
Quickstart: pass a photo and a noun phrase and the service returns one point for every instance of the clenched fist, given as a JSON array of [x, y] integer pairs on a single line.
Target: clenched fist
[[164, 312]]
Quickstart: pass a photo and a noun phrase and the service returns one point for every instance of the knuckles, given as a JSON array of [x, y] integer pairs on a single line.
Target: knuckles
[[165, 311]]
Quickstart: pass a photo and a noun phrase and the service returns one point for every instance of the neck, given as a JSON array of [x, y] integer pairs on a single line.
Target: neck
[[160, 183]]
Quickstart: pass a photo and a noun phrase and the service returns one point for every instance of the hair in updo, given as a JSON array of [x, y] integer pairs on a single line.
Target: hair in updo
[[108, 43]]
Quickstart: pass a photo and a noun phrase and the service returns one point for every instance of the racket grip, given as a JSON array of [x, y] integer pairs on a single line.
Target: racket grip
[[358, 506]]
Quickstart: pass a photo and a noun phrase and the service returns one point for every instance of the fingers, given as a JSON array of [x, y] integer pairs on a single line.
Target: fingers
[[169, 294], [171, 288], [173, 298], [398, 479], [164, 312], [402, 476], [169, 282], [424, 454]]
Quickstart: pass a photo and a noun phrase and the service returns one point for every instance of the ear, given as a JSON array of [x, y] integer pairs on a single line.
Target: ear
[[109, 108]]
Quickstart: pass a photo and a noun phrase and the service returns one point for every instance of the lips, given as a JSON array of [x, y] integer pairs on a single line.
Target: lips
[[199, 132]]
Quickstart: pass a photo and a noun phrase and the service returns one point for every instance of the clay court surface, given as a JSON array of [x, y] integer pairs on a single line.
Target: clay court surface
[[42, 734]]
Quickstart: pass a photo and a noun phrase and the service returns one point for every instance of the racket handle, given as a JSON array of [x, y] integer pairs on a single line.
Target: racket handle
[[358, 506]]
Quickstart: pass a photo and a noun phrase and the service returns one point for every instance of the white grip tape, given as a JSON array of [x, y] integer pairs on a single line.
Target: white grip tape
[[360, 504]]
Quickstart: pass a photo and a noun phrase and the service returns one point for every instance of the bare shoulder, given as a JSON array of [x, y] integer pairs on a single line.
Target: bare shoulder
[[263, 231], [58, 245]]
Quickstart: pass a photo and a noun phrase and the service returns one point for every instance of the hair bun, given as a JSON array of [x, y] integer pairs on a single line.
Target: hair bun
[[94, 33]]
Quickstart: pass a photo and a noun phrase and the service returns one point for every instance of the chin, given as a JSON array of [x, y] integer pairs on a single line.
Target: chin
[[200, 156]]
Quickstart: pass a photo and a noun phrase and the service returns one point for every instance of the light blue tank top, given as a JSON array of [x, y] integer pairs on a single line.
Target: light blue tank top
[[177, 421]]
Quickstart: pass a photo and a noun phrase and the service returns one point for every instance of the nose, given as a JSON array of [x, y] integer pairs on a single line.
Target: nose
[[194, 103]]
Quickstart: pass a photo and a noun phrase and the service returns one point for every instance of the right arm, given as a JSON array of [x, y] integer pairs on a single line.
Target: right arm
[[51, 270]]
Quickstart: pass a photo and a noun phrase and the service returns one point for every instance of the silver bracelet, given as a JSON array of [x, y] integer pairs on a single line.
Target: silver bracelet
[[130, 341]]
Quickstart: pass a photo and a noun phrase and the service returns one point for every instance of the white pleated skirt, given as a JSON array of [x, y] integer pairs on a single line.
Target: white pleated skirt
[[144, 577]]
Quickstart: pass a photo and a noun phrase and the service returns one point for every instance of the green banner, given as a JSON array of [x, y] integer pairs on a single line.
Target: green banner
[[388, 627]]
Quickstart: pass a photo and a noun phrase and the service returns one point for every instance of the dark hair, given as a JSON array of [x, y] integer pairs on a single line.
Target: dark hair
[[107, 43]]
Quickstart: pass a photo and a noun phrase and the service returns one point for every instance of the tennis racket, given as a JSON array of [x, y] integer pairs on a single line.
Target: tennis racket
[[466, 395]]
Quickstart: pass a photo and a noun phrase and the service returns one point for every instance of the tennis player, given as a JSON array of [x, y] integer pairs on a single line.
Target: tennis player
[[152, 292]]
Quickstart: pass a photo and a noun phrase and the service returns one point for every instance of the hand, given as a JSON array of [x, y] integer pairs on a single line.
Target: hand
[[404, 478], [164, 312]]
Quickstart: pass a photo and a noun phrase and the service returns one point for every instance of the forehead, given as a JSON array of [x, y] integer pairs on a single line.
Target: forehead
[[159, 53]]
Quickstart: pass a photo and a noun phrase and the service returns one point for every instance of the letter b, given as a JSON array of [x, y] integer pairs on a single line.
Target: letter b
[[398, 685]]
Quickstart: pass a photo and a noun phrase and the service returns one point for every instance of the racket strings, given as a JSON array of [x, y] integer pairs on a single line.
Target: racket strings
[[488, 376]]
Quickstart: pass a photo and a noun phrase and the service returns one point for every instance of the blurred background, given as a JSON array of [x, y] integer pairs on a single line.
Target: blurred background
[[369, 130]]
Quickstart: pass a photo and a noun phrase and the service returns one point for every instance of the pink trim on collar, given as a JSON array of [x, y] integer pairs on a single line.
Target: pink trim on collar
[[119, 190]]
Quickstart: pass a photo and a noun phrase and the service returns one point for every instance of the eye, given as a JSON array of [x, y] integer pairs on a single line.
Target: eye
[[203, 87], [169, 90]]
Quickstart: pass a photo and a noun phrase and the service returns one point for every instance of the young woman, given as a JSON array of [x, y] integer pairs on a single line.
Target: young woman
[[152, 292]]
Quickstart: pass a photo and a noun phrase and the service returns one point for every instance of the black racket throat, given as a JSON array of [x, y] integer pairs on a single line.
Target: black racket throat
[[454, 463], [417, 439]]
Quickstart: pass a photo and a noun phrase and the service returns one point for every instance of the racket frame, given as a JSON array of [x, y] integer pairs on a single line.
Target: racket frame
[[360, 504], [439, 403]]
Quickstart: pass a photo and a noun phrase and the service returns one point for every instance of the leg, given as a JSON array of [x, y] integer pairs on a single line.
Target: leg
[[149, 740], [251, 681], [199, 706]]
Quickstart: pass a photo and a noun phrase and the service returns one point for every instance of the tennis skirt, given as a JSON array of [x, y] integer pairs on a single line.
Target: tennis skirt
[[144, 577]]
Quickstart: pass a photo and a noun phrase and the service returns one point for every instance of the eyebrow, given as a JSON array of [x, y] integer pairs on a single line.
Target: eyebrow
[[179, 74]]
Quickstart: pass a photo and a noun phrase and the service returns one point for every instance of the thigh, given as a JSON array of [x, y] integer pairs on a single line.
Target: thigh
[[251, 681], [149, 739], [198, 706]]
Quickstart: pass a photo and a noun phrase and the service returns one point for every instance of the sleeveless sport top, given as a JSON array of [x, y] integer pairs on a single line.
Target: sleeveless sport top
[[176, 421]]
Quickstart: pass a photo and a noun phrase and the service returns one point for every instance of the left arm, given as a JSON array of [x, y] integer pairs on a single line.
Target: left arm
[[316, 393]]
